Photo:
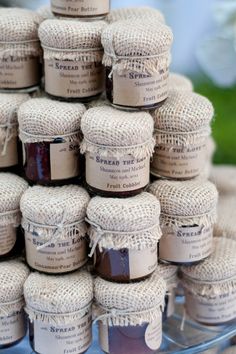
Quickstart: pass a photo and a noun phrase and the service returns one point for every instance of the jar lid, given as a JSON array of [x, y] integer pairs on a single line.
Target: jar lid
[[120, 40], [49, 209], [41, 119], [133, 13], [67, 295], [221, 265], [125, 223], [131, 303], [72, 40], [183, 119], [109, 131], [225, 225], [224, 176], [12, 188], [186, 202], [180, 82], [9, 105]]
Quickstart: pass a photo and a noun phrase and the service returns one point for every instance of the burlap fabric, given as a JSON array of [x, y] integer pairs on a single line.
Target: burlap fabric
[[129, 304], [45, 12], [100, 102], [124, 223], [215, 275], [13, 275], [72, 40], [58, 299], [224, 177], [152, 53], [19, 32], [179, 82], [54, 212], [186, 203], [225, 225], [41, 119], [169, 274], [12, 188], [133, 13], [9, 105], [110, 132], [183, 120]]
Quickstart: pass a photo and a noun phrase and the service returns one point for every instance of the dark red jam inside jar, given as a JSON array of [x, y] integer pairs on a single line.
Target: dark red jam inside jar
[[18, 247], [38, 168], [94, 191], [3, 347], [73, 99], [110, 95]]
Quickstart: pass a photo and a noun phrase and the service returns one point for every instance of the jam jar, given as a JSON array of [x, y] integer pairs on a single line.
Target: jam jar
[[210, 287], [117, 151], [182, 129], [179, 82], [82, 9], [10, 146], [188, 213], [59, 310], [50, 133], [55, 230], [12, 188], [135, 13], [73, 59], [130, 318], [124, 234], [137, 74], [20, 51], [13, 324]]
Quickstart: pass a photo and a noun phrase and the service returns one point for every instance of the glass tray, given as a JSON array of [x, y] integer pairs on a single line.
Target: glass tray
[[194, 338]]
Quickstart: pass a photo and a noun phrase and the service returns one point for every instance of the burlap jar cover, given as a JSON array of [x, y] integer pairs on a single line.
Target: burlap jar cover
[[138, 74], [55, 230], [45, 12], [179, 82], [188, 212], [125, 305], [81, 8], [169, 274], [20, 49], [43, 120], [224, 177], [225, 225], [132, 224], [210, 287], [59, 310], [73, 58], [210, 151], [134, 13], [11, 189], [13, 274], [116, 150], [182, 126], [9, 105]]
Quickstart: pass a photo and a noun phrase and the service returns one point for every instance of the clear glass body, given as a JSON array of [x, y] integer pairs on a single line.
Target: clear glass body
[[23, 330]]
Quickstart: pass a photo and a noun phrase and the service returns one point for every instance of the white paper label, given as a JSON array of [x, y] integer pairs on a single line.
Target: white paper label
[[60, 257], [142, 263], [178, 162], [7, 238], [12, 328], [81, 8], [73, 79], [104, 337], [11, 156], [136, 89], [74, 338], [64, 160], [185, 244], [153, 334], [18, 72], [220, 309], [117, 175]]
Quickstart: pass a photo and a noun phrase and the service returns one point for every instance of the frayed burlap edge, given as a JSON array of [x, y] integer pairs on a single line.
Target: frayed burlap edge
[[28, 138], [8, 309], [206, 220], [184, 139], [84, 56]]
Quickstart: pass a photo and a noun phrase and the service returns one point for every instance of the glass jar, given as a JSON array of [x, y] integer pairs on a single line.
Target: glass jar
[[130, 319], [121, 237], [12, 188], [137, 76], [13, 324], [209, 288], [65, 321], [188, 213], [73, 59], [50, 133], [83, 9], [20, 50], [117, 152], [55, 230]]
